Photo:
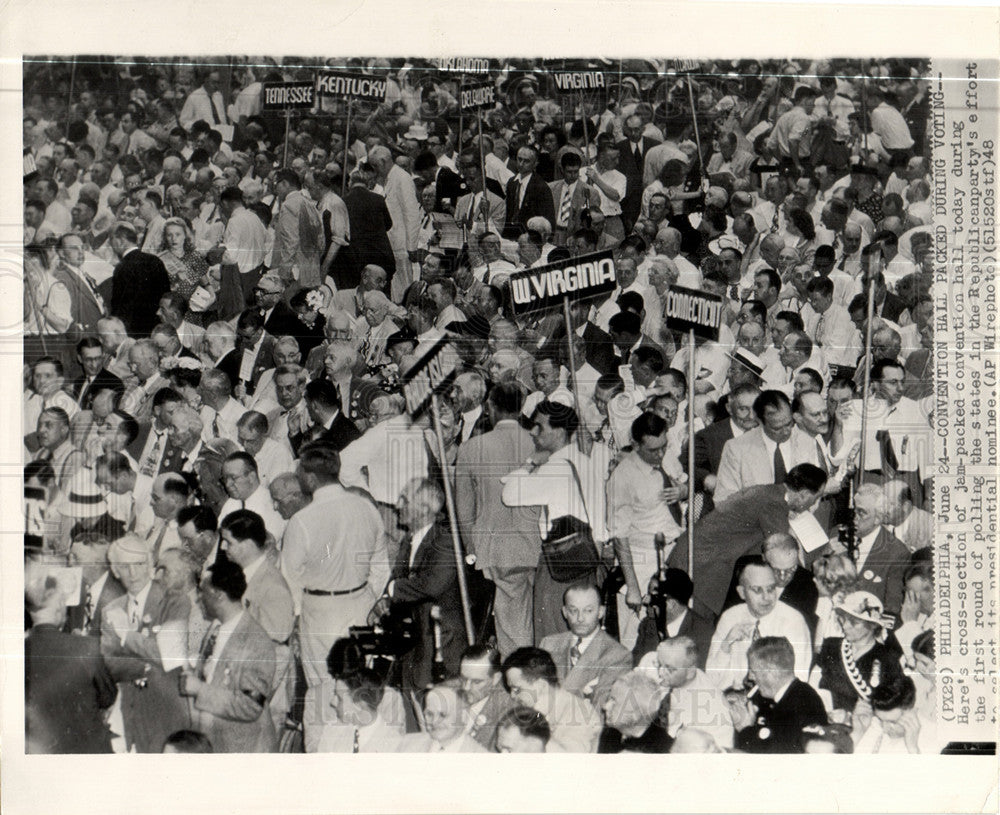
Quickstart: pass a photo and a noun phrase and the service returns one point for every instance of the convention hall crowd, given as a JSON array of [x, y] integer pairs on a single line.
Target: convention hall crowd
[[240, 539]]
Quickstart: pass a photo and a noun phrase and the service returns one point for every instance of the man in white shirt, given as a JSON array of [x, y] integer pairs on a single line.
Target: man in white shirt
[[831, 325], [244, 239], [219, 412], [242, 483], [761, 614], [204, 103], [272, 457], [611, 187]]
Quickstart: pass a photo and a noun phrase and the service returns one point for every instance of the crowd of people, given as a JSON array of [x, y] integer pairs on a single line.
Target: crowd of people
[[238, 539]]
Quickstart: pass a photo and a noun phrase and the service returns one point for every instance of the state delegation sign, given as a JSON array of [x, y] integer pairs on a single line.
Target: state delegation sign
[[288, 95], [351, 86], [577, 278], [693, 310], [475, 97], [429, 375], [569, 81]]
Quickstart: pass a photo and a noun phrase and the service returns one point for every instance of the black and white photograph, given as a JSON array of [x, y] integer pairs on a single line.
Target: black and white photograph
[[406, 403]]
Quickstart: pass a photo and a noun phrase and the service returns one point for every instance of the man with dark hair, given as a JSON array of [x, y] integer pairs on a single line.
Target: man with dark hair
[[765, 454], [243, 240], [575, 201], [483, 692], [150, 205], [571, 486], [522, 730], [632, 151], [241, 481], [86, 304], [739, 526], [711, 441], [330, 425], [298, 233], [197, 528], [187, 741], [139, 280], [256, 349], [95, 378], [779, 705], [232, 683], [832, 329], [533, 680], [334, 559]]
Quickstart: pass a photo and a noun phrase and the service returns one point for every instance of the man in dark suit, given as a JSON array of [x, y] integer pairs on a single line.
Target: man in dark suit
[[573, 200], [708, 442], [527, 195], [681, 621], [251, 337], [370, 222], [86, 305], [151, 705], [424, 585], [232, 683], [139, 280], [329, 424], [739, 526], [587, 659], [779, 705], [631, 159], [67, 686], [448, 185], [95, 377], [279, 319], [600, 348]]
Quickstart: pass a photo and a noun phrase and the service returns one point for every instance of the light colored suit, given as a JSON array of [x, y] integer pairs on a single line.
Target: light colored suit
[[603, 661], [225, 709], [746, 461], [504, 539], [584, 196]]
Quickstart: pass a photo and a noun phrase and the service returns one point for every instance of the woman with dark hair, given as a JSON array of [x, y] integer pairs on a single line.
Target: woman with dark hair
[[801, 227], [894, 722], [307, 305]]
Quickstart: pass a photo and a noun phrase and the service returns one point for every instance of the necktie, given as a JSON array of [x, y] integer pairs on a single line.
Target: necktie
[[215, 426], [216, 117], [637, 153], [207, 647], [461, 429], [575, 653], [819, 331], [356, 746], [564, 207], [779, 466], [748, 683], [128, 143], [675, 510], [843, 260], [822, 458], [486, 275], [890, 464], [426, 221], [517, 191], [88, 610], [734, 292], [774, 220], [133, 613]]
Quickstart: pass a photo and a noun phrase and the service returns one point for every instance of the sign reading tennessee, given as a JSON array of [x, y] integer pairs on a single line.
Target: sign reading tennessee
[[288, 95], [693, 310], [577, 278]]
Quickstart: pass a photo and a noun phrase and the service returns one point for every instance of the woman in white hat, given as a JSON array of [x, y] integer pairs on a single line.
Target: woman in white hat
[[849, 667]]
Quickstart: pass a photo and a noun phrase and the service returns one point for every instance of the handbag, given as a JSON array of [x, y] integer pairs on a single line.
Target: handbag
[[569, 550]]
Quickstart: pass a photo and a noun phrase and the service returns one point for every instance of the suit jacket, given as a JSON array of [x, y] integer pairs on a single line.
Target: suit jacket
[[84, 308], [484, 726], [604, 660], [537, 201], [694, 625], [584, 197], [736, 527], [230, 366], [708, 445], [264, 361], [892, 307], [882, 572], [139, 281], [281, 322], [76, 616], [778, 728], [449, 187], [501, 537], [228, 709], [600, 349], [104, 379], [67, 687], [340, 434], [369, 222], [746, 462], [432, 580], [632, 170], [269, 601], [153, 709]]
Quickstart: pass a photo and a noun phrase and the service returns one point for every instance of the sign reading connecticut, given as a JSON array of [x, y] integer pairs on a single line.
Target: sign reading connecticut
[[693, 310], [577, 278]]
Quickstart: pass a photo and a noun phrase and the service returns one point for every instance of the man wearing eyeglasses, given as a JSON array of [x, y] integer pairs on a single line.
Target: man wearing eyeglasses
[[761, 614]]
